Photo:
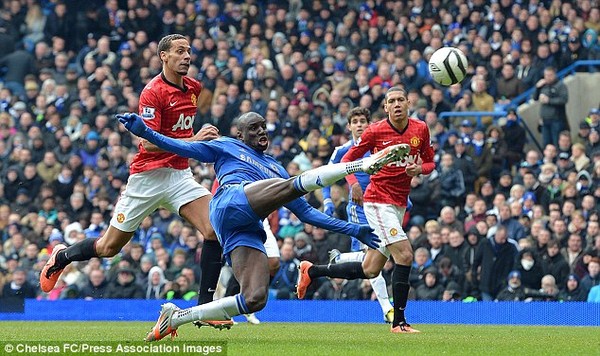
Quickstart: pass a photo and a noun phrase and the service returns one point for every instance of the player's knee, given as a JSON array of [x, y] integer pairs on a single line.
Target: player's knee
[[210, 235], [370, 271], [256, 299]]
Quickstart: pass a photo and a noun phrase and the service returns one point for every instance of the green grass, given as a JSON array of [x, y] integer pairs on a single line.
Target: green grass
[[287, 339]]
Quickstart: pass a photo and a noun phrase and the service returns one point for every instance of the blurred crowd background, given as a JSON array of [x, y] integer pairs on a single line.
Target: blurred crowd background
[[496, 220]]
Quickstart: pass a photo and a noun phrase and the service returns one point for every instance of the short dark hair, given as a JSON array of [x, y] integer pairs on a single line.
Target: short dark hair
[[394, 89], [359, 111], [164, 45]]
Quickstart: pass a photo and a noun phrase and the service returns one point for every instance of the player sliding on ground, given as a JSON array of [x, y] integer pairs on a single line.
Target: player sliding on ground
[[252, 186]]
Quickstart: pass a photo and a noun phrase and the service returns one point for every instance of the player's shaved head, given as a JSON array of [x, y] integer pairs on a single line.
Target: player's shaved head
[[165, 43], [245, 119]]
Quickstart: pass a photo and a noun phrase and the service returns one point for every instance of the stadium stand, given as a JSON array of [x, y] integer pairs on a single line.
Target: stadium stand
[[67, 67]]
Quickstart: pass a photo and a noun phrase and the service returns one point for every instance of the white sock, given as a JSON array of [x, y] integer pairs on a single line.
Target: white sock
[[351, 257], [325, 175], [224, 278], [222, 309], [380, 289]]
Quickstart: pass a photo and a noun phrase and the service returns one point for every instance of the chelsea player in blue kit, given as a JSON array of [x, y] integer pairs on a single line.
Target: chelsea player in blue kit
[[252, 186], [358, 120]]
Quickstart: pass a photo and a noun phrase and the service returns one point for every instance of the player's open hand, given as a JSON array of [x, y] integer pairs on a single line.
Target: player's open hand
[[133, 122], [356, 194], [367, 237], [207, 132]]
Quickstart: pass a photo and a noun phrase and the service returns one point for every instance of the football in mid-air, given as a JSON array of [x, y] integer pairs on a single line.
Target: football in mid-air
[[448, 65]]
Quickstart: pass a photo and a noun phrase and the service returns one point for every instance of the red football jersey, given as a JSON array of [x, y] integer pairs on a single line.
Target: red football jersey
[[391, 185], [170, 110]]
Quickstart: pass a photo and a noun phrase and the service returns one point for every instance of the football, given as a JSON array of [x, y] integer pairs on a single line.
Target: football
[[448, 65]]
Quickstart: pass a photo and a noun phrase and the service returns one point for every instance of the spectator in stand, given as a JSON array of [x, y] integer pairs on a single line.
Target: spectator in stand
[[553, 96], [431, 289], [592, 279], [531, 269], [452, 184], [572, 292], [124, 286], [496, 257], [514, 291], [96, 286], [283, 283]]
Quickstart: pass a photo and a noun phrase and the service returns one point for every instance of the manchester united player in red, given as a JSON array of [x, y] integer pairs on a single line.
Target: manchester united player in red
[[384, 203], [158, 178]]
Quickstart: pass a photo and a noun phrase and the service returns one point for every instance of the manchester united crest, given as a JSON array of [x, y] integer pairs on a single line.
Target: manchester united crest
[[194, 99], [120, 218], [415, 141]]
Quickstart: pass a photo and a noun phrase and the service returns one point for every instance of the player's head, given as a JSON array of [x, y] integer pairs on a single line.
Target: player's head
[[175, 53], [358, 120], [252, 130], [396, 104]]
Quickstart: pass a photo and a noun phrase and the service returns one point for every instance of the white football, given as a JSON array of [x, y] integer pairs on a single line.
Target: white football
[[448, 65]]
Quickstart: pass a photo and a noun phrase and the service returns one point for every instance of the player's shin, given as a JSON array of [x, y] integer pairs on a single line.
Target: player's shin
[[81, 251], [400, 289], [210, 264], [222, 309], [380, 289], [350, 270]]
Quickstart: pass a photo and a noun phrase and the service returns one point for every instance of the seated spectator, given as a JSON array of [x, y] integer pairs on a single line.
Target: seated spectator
[[156, 283], [530, 268], [124, 286], [452, 293], [338, 289], [283, 283], [556, 264], [96, 286], [430, 289], [421, 263], [303, 248], [592, 279], [514, 291], [15, 292], [177, 264], [180, 288], [572, 292]]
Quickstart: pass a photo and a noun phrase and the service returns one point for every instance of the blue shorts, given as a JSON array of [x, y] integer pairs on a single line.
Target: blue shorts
[[234, 221], [356, 214]]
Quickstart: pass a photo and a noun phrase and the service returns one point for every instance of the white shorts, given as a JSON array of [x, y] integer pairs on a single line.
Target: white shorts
[[271, 243], [386, 221], [147, 191]]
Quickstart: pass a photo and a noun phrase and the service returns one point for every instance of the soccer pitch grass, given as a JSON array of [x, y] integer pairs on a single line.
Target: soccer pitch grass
[[332, 339]]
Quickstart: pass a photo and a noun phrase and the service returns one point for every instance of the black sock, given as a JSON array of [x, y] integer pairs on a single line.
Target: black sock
[[210, 263], [348, 270], [81, 251], [400, 288]]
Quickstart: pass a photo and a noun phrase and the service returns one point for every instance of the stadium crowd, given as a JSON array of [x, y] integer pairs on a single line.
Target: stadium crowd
[[493, 221]]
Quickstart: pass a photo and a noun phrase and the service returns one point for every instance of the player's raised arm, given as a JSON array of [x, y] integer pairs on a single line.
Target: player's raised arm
[[196, 149], [306, 213]]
